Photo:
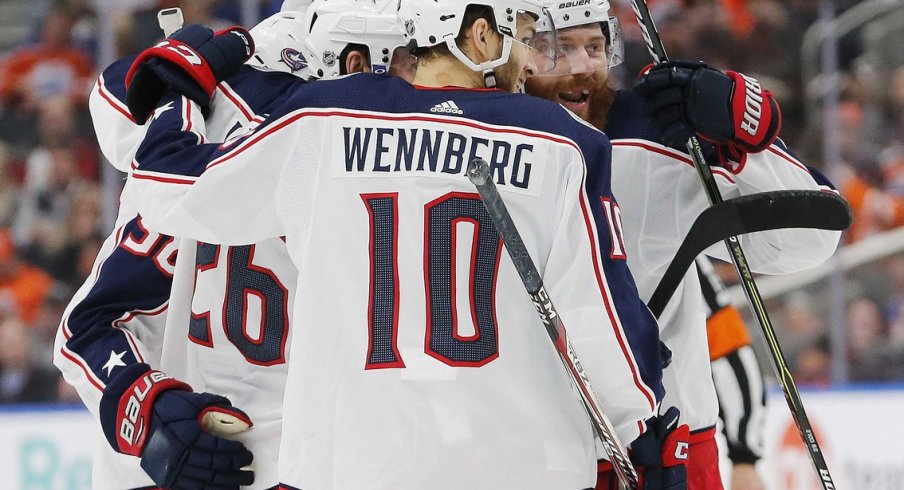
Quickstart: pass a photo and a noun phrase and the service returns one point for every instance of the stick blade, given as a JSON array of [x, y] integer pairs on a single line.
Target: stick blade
[[748, 214]]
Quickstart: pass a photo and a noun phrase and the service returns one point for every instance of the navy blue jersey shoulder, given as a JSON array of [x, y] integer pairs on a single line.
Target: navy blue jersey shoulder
[[114, 77], [628, 119], [821, 178], [259, 92], [263, 91], [381, 93]]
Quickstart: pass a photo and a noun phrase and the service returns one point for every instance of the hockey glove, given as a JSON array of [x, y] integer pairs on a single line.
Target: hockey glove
[[191, 62], [147, 414], [726, 108], [660, 453]]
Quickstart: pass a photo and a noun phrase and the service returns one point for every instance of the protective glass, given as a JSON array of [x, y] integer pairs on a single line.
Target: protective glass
[[543, 44], [616, 47], [579, 50]]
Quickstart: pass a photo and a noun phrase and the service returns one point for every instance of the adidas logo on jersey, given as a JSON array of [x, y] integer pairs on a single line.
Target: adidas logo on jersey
[[447, 108]]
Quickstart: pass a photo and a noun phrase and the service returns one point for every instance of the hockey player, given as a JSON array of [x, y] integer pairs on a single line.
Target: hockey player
[[227, 309], [399, 379], [660, 196]]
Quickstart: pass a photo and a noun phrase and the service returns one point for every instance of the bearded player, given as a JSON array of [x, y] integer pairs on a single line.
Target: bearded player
[[659, 195]]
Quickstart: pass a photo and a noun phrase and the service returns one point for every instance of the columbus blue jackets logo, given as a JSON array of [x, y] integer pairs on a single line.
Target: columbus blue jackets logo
[[293, 59]]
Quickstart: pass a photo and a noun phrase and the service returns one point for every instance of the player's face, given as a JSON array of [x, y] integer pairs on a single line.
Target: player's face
[[580, 73], [520, 66], [404, 64]]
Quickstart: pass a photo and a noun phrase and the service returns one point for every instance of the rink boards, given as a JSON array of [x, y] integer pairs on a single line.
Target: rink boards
[[860, 429]]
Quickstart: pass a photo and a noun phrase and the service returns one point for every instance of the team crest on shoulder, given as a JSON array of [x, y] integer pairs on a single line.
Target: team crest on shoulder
[[294, 59]]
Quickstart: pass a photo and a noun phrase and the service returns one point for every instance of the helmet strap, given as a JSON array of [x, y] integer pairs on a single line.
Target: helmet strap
[[489, 78]]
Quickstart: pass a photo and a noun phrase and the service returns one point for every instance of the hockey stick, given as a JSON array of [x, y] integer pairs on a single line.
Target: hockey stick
[[747, 214], [478, 173], [217, 423], [657, 50], [170, 20]]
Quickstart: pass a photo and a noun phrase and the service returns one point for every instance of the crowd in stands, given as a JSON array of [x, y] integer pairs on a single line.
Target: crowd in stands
[[51, 209]]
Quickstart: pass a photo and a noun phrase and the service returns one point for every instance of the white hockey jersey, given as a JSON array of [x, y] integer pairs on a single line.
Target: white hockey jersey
[[418, 360], [215, 317]]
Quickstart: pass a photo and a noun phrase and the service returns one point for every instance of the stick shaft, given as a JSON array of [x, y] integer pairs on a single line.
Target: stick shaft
[[478, 172]]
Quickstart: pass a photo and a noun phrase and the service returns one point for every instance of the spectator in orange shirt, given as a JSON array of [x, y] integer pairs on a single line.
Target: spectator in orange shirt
[[51, 67], [22, 286]]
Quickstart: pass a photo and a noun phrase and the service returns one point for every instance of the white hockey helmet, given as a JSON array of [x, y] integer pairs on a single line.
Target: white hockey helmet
[[334, 24], [575, 13], [432, 22], [278, 42], [296, 5]]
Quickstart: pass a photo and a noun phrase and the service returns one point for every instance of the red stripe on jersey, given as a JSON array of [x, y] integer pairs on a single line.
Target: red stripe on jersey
[[112, 100], [456, 89], [616, 326], [237, 100], [675, 155], [294, 116], [138, 174], [788, 158], [77, 361], [186, 103], [130, 315]]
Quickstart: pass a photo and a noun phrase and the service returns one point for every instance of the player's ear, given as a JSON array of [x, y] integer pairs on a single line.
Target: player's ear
[[356, 62], [483, 40]]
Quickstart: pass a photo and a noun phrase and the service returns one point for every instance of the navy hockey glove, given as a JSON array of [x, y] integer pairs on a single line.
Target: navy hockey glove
[[191, 62], [147, 414], [660, 453], [726, 108]]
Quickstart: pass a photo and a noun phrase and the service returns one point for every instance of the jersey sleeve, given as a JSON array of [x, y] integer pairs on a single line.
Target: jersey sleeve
[[736, 374], [777, 251], [666, 197], [117, 134], [192, 189], [582, 285], [116, 318]]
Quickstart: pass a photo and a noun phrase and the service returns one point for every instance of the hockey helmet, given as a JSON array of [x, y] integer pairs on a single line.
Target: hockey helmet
[[576, 13], [433, 22], [334, 24], [278, 42], [296, 5]]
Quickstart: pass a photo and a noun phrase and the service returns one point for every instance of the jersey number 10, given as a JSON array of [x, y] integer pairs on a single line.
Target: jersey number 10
[[442, 218]]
